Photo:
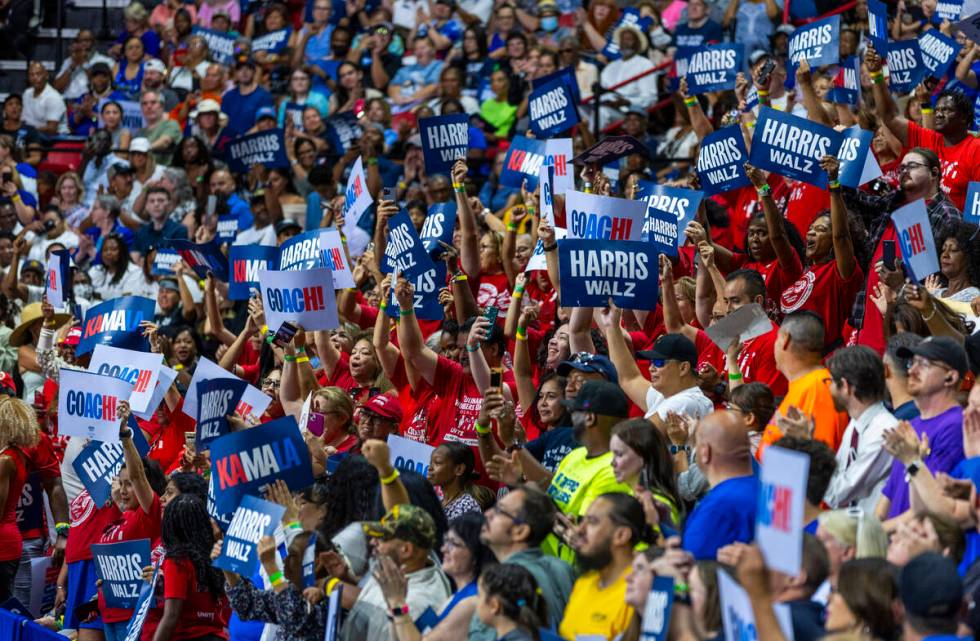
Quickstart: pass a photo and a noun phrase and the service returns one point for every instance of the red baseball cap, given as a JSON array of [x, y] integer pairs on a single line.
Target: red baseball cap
[[385, 406], [7, 385], [73, 337]]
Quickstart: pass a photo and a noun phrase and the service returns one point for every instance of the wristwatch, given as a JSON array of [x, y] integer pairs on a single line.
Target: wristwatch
[[675, 449], [912, 469], [400, 611]]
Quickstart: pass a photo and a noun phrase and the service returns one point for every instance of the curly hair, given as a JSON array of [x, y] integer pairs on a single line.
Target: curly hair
[[18, 423], [965, 235], [187, 535], [350, 495]]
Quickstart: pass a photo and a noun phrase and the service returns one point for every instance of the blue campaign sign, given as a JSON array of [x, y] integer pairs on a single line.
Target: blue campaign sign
[[116, 322], [227, 228], [246, 462], [523, 162], [710, 68], [222, 519], [853, 156], [309, 562], [656, 614], [253, 519], [217, 398], [721, 161], [630, 16], [565, 73], [938, 52], [609, 150], [30, 505], [146, 600], [438, 226], [878, 25], [163, 262], [593, 271], [405, 251], [948, 10], [445, 139], [266, 148], [342, 130], [818, 43], [203, 258], [552, 109], [246, 261], [669, 210], [220, 45], [120, 566], [846, 89], [98, 463], [427, 286], [905, 66], [792, 146], [971, 211], [301, 252], [273, 42]]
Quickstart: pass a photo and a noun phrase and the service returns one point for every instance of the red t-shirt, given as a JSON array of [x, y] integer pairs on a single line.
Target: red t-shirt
[[777, 279], [872, 331], [10, 537], [88, 522], [959, 161], [742, 204], [492, 289], [757, 362], [202, 613], [134, 525], [708, 352], [42, 465], [166, 439], [821, 289], [804, 203]]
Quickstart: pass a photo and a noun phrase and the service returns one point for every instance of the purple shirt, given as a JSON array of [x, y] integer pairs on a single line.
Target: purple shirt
[[946, 451]]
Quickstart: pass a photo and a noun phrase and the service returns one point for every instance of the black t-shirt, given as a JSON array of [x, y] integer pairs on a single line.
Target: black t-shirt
[[390, 63], [22, 135]]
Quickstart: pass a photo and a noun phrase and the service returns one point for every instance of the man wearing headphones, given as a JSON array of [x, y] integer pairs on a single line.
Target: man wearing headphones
[[938, 366]]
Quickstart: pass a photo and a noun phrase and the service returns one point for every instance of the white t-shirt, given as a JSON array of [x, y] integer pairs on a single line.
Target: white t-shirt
[[688, 402], [78, 85], [39, 244], [252, 236], [39, 110]]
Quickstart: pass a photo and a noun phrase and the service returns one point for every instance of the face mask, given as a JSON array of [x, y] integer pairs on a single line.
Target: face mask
[[340, 52], [626, 52], [82, 290], [549, 23]]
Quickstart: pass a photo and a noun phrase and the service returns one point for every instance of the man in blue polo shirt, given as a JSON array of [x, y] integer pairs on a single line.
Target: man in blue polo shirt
[[726, 514]]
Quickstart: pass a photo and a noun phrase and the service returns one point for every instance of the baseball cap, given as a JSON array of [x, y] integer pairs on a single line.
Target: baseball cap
[[100, 67], [169, 283], [385, 406], [121, 167], [939, 348], [33, 266], [7, 385], [931, 588], [265, 112], [206, 106], [672, 347], [589, 363], [244, 61], [155, 64], [406, 522], [600, 397], [139, 145], [287, 223], [73, 337]]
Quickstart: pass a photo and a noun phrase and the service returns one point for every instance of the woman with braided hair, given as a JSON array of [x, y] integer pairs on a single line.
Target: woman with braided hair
[[508, 601]]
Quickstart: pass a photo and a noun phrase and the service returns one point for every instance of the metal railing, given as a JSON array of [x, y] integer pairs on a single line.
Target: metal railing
[[598, 89]]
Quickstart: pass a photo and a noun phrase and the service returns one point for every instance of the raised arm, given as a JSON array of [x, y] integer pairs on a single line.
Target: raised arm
[[213, 314], [469, 250], [814, 108], [547, 235], [137, 475], [843, 249], [630, 377], [413, 347], [774, 219], [885, 106], [699, 122], [580, 330], [672, 313]]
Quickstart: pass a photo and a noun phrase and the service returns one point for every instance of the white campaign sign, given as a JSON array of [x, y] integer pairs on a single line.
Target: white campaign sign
[[604, 218], [54, 283], [779, 515], [87, 404], [254, 401], [746, 322], [336, 259], [407, 454], [305, 298], [357, 202], [538, 259], [547, 184], [167, 376], [142, 369], [737, 617], [559, 153], [915, 239]]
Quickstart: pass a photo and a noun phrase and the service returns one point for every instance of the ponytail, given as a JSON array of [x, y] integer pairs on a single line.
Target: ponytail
[[519, 595]]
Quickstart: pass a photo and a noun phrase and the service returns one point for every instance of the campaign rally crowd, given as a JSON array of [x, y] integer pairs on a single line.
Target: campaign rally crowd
[[494, 320]]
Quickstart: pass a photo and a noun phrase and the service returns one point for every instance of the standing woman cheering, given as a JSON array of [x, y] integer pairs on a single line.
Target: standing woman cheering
[[18, 430]]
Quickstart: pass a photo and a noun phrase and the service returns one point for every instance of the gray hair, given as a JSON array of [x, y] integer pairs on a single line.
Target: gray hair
[[109, 203]]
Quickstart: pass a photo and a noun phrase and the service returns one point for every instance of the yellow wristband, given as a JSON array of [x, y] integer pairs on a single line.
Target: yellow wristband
[[388, 480], [303, 359], [927, 110], [265, 329], [516, 295], [331, 584]]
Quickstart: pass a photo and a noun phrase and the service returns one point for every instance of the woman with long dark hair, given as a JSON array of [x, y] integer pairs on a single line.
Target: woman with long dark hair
[[350, 89], [642, 460], [195, 605], [959, 263], [193, 156], [509, 602], [117, 275], [451, 470], [864, 601]]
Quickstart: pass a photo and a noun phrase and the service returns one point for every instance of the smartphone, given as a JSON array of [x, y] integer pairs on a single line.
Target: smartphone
[[190, 438], [766, 72], [314, 424], [83, 611], [8, 176], [284, 334], [211, 205], [491, 314], [388, 194], [888, 254], [496, 377]]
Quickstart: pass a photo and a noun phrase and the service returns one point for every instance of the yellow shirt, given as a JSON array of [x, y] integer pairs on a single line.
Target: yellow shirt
[[594, 610]]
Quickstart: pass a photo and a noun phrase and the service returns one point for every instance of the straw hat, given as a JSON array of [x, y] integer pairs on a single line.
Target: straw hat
[[640, 36], [30, 314]]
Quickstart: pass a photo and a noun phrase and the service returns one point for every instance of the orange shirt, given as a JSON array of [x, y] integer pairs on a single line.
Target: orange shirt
[[811, 395]]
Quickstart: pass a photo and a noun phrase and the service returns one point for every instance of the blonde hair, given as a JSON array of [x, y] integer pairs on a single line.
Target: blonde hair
[[75, 178], [18, 423], [688, 287], [341, 402], [856, 529]]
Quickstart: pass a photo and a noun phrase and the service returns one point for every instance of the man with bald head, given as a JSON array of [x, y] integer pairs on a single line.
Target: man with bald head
[[726, 514]]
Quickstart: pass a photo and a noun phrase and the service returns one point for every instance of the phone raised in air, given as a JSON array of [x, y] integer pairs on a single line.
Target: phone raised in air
[[491, 314], [496, 377], [766, 72], [888, 254], [284, 335]]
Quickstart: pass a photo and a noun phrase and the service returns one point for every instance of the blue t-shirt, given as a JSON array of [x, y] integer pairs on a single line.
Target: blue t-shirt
[[708, 33], [906, 411], [413, 78], [725, 515], [969, 469], [240, 209], [552, 446], [241, 109]]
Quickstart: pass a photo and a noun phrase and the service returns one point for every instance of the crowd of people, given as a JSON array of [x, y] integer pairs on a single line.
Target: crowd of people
[[578, 454]]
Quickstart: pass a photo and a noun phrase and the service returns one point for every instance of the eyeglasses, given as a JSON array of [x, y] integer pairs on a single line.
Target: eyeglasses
[[513, 517], [271, 383], [732, 407], [909, 166], [374, 419], [921, 361]]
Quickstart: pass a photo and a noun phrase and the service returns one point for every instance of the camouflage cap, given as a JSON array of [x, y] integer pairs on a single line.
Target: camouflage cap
[[406, 522]]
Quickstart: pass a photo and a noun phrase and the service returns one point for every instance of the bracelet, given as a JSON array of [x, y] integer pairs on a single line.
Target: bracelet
[[480, 429], [15, 197], [300, 350], [552, 247], [681, 588], [472, 350], [383, 306], [288, 358], [833, 185], [763, 191], [406, 312], [331, 584], [372, 161], [734, 377], [691, 102], [460, 278], [762, 93], [927, 110], [294, 525], [588, 188], [516, 294], [178, 367], [520, 335], [931, 314], [880, 78], [391, 478], [62, 528], [302, 359], [511, 227], [531, 209], [275, 577], [876, 74], [265, 329]]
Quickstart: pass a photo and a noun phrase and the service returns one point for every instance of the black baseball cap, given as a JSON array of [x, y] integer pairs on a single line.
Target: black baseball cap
[[600, 397], [287, 223], [931, 587], [939, 348], [589, 363], [672, 347], [100, 67]]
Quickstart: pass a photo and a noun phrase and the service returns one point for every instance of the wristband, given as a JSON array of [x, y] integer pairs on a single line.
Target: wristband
[[517, 294], [691, 102], [588, 188], [274, 577], [472, 350], [734, 377], [519, 289], [880, 78], [833, 185], [372, 161], [406, 312], [383, 306], [521, 335], [302, 359], [15, 197], [294, 525], [391, 478], [300, 350], [459, 188], [178, 367], [531, 209], [270, 338], [552, 247], [763, 191], [265, 329], [876, 74], [762, 93], [927, 110], [480, 429], [62, 528], [288, 358], [511, 227], [331, 584], [461, 278]]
